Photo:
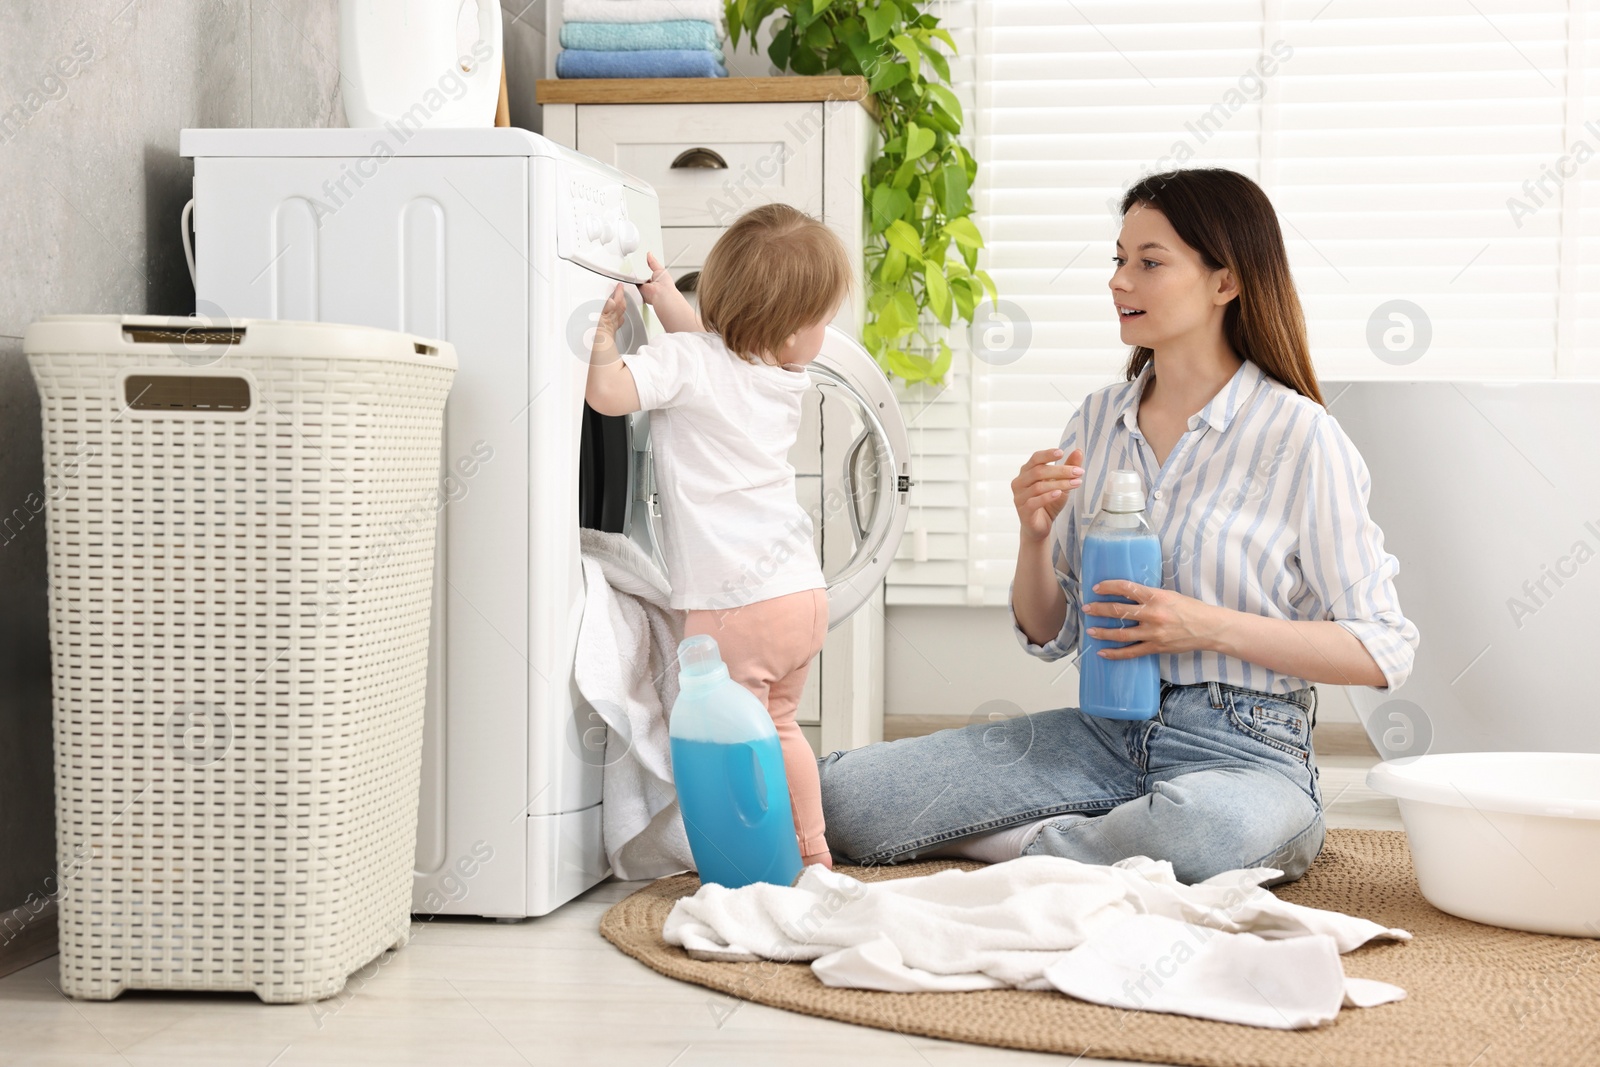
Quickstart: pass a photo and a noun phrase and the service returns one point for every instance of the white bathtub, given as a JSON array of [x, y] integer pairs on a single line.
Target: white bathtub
[[1507, 838]]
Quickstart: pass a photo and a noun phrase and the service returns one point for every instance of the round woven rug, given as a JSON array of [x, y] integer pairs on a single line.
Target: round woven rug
[[1478, 996]]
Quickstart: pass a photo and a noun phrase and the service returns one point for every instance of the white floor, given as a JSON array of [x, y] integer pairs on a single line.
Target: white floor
[[548, 991]]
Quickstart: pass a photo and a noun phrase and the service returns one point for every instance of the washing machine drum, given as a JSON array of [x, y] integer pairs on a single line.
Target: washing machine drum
[[852, 474]]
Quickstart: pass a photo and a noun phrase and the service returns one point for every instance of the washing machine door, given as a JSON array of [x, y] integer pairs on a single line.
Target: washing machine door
[[852, 474]]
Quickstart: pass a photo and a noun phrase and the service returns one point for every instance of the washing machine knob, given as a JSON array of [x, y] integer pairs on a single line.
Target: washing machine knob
[[627, 236], [606, 232], [592, 227]]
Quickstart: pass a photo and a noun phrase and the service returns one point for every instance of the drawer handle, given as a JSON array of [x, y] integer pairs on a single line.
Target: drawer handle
[[689, 282], [703, 158]]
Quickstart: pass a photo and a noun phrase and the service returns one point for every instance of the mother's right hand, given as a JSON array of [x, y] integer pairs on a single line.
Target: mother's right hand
[[1040, 490]]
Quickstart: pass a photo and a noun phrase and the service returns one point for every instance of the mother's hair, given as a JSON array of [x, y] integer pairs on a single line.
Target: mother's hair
[[1228, 219]]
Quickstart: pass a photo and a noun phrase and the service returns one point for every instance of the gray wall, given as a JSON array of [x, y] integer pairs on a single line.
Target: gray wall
[[92, 96]]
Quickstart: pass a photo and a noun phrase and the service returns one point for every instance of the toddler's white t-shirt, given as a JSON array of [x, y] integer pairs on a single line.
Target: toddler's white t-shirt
[[721, 429]]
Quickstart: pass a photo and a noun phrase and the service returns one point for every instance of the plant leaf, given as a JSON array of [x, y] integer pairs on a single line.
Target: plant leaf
[[894, 265], [988, 284], [966, 296], [937, 291], [946, 101], [953, 192], [918, 141], [901, 235], [888, 322], [888, 204], [964, 232], [904, 175], [906, 305], [781, 47], [941, 366], [911, 367], [880, 20], [886, 76], [908, 48]]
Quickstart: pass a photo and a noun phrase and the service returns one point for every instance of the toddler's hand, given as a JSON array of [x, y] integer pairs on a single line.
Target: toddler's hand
[[660, 283], [1040, 489], [611, 316]]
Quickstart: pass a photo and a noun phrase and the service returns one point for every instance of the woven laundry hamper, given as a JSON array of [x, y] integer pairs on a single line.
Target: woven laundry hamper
[[241, 540]]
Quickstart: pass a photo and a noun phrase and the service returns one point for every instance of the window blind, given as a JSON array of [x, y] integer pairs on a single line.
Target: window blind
[[1429, 161]]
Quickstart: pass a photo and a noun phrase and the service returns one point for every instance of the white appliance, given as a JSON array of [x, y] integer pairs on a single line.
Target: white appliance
[[507, 244], [420, 62]]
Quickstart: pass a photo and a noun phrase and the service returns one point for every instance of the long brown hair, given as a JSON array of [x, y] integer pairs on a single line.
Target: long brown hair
[[1227, 218]]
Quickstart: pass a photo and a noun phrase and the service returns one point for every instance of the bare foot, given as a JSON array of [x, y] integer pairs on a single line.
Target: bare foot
[[824, 858]]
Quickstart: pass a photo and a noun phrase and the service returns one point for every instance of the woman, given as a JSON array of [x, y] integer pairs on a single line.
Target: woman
[[1274, 578]]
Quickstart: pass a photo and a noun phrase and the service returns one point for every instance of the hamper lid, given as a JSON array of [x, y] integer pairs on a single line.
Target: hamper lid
[[185, 336]]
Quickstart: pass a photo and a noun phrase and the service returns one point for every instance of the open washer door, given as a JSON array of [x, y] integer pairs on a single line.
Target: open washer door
[[852, 474]]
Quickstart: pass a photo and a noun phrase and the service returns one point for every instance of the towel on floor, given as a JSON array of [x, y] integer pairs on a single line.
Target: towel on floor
[[684, 34], [663, 63], [1128, 934], [626, 670], [642, 10]]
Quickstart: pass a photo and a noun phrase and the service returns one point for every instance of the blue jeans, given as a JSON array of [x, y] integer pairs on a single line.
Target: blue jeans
[[1223, 777]]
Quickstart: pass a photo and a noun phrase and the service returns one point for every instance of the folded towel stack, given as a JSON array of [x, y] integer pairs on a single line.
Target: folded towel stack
[[641, 39]]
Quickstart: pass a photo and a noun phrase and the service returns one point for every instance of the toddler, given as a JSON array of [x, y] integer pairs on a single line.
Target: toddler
[[726, 388]]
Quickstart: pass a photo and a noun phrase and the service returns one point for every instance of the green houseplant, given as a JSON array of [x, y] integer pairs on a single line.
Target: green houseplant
[[922, 245]]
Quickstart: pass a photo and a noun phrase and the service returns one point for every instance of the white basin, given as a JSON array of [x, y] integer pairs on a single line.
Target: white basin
[[1506, 838]]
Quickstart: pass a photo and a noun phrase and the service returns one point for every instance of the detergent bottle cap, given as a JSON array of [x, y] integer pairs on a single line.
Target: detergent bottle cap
[[700, 661], [1124, 492]]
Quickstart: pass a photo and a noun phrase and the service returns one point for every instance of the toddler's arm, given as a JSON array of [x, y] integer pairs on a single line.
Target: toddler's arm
[[670, 306], [611, 389]]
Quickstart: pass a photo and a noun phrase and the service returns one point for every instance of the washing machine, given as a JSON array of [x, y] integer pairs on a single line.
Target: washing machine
[[507, 244]]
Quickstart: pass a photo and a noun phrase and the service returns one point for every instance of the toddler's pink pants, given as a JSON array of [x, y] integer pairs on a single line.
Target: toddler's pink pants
[[768, 647]]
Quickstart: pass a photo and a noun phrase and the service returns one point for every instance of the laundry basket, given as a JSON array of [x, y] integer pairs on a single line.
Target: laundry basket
[[241, 539]]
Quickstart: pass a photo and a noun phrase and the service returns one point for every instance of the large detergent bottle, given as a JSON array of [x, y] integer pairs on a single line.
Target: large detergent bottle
[[728, 767], [1118, 544]]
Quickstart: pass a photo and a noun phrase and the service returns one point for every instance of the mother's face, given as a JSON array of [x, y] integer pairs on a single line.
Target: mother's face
[[1162, 289]]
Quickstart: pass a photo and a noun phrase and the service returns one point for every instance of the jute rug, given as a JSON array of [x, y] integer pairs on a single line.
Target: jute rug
[[1479, 996]]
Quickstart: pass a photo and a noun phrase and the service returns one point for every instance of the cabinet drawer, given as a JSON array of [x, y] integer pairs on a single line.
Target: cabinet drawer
[[749, 154]]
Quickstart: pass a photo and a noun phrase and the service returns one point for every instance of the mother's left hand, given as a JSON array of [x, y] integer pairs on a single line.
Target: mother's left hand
[[1165, 621]]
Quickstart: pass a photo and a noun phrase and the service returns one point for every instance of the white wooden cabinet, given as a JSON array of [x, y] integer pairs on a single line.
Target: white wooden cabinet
[[710, 162]]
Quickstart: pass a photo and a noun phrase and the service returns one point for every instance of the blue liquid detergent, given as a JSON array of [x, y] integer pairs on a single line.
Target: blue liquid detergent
[[1118, 544], [728, 769]]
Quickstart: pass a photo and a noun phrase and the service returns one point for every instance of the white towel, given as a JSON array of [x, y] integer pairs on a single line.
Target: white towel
[[642, 10], [627, 670], [1042, 922]]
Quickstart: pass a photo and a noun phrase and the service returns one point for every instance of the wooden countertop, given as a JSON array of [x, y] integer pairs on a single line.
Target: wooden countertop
[[732, 90]]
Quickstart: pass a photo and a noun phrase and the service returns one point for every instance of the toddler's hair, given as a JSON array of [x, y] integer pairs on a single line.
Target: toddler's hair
[[774, 272]]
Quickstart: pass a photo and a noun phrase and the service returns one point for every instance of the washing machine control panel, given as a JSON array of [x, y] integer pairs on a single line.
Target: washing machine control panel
[[595, 229]]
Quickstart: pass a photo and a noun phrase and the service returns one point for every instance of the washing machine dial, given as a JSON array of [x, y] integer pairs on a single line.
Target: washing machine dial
[[627, 237]]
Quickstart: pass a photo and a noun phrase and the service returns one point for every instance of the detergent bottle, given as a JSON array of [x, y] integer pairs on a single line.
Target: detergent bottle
[[728, 768], [1118, 544]]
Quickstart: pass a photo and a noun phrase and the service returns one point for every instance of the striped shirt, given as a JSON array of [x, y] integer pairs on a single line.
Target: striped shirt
[[1261, 507]]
